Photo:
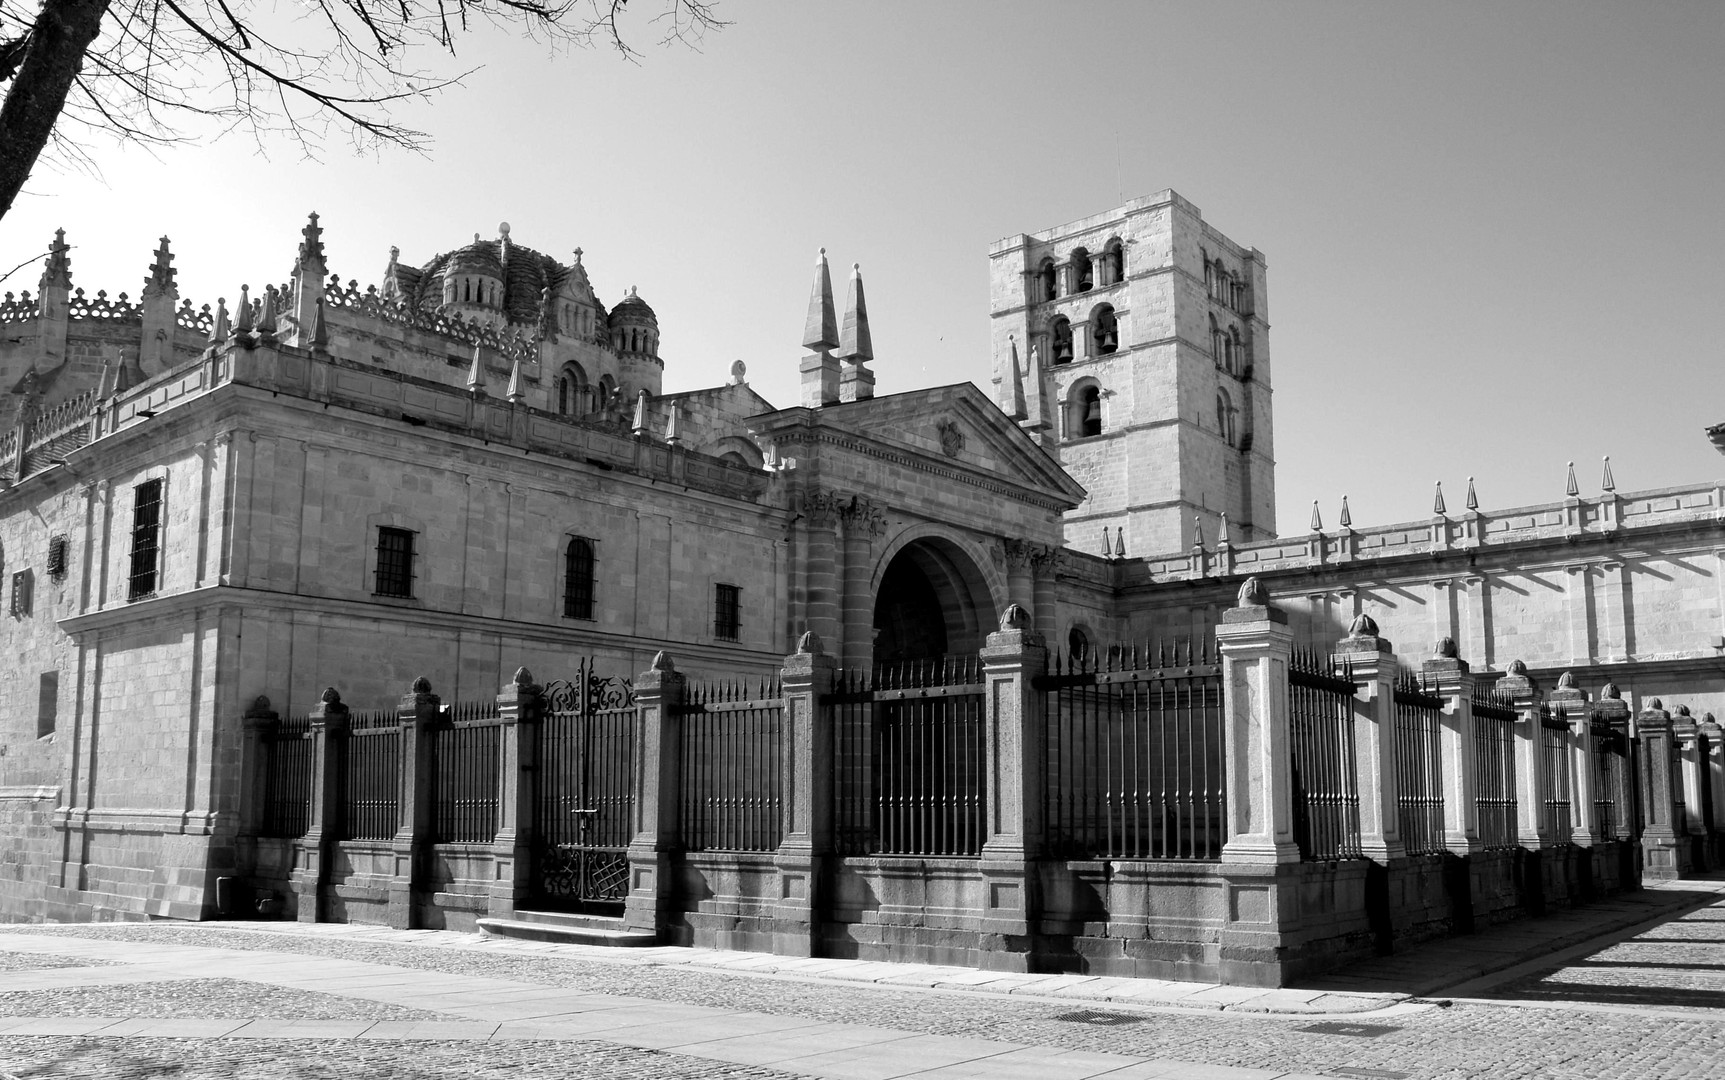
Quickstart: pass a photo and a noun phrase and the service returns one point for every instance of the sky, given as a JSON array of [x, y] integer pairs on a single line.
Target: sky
[[1493, 232]]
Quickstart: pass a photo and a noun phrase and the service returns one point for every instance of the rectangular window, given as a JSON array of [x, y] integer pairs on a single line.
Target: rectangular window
[[146, 539], [578, 579], [57, 558], [394, 562], [47, 703], [727, 612], [23, 588]]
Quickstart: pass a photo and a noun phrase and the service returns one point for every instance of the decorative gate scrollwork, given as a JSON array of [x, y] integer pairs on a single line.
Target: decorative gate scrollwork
[[584, 802]]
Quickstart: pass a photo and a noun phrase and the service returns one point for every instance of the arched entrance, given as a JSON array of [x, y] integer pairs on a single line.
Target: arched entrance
[[932, 601]]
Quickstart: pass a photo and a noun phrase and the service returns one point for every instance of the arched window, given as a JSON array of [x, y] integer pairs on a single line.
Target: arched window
[[578, 579], [1078, 647], [1113, 263], [571, 390], [1083, 274], [1104, 331], [1225, 417], [1086, 407], [1048, 287], [1209, 275], [1060, 333], [607, 389], [1215, 342]]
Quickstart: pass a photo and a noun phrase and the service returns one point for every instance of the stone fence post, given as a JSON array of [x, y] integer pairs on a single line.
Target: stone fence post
[[1374, 667], [1713, 780], [1450, 678], [658, 794], [1569, 702], [1256, 646], [806, 772], [520, 706], [1012, 658], [1533, 822], [419, 711], [1696, 792], [1611, 710], [1664, 836], [324, 825], [258, 723]]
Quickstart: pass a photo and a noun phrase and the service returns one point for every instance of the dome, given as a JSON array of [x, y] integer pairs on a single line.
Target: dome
[[633, 309], [479, 257]]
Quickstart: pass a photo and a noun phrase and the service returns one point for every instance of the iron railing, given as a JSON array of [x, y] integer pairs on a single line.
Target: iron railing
[[371, 794], [1419, 767], [909, 748], [1606, 759], [1134, 754], [1494, 718], [584, 791], [1325, 780], [732, 760], [1554, 762], [466, 755], [286, 763]]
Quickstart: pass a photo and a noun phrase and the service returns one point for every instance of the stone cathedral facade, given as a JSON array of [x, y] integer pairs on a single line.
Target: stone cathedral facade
[[471, 466]]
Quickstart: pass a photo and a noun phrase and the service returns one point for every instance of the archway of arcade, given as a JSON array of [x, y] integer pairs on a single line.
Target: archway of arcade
[[931, 601]]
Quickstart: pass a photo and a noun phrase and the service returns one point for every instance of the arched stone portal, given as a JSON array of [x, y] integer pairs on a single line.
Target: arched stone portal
[[932, 601]]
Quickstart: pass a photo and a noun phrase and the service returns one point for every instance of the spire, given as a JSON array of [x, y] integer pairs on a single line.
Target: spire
[[1317, 518], [1437, 503], [855, 344], [244, 324], [57, 272], [639, 427], [267, 315], [673, 427], [1222, 538], [1105, 544], [1347, 517], [476, 373], [1197, 533], [310, 257], [1472, 499], [1119, 542], [515, 394], [1570, 487], [1015, 404], [319, 329], [219, 328], [1606, 483], [821, 330], [161, 279]]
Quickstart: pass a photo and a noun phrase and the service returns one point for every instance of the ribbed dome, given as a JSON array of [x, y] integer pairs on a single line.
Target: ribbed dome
[[633, 309], [479, 257]]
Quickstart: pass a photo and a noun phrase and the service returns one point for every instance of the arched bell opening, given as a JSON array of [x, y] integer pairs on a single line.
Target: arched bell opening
[[932, 601]]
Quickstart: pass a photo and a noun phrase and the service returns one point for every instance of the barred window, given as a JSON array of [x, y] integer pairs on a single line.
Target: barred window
[[578, 579], [394, 562], [47, 703], [727, 612], [23, 589], [57, 557], [146, 539]]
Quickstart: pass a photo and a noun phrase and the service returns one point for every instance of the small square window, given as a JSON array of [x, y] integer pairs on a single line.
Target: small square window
[[394, 562], [57, 549], [727, 612]]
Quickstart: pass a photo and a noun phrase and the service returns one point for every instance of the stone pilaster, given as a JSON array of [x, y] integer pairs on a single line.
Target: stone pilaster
[[1374, 671], [1012, 658], [807, 771], [418, 713], [659, 700], [1450, 678], [257, 724], [310, 877], [520, 705], [1256, 645]]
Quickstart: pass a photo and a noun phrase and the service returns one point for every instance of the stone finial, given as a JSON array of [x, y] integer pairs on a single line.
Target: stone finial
[[1570, 487], [1516, 668], [310, 256], [515, 393], [1197, 533], [57, 271], [244, 315], [810, 643], [1014, 617], [1655, 703], [1472, 499], [673, 426], [1317, 518], [1222, 537], [523, 678], [422, 685], [260, 707], [639, 427], [160, 281], [1438, 507], [1347, 521], [1015, 405], [268, 314], [1566, 681], [662, 662], [1119, 542], [1446, 649], [476, 373], [1680, 710], [1252, 593], [738, 371], [1606, 482], [330, 696], [1610, 692], [821, 329], [219, 326], [855, 343], [319, 328], [1363, 626], [109, 385], [1106, 550]]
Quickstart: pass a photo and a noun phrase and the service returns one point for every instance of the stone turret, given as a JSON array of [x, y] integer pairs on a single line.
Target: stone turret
[[56, 286], [309, 271], [161, 293]]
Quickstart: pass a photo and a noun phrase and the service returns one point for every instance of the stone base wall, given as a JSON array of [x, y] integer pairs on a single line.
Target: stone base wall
[[29, 849]]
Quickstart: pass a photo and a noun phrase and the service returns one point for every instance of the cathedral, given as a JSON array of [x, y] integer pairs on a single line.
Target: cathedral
[[471, 467]]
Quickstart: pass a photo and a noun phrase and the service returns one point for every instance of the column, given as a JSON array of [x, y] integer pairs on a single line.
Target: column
[[1374, 669], [324, 824], [259, 721], [1570, 704], [806, 772], [520, 705], [419, 711], [1012, 658], [1533, 823], [1256, 644], [1450, 678], [658, 794], [1663, 838]]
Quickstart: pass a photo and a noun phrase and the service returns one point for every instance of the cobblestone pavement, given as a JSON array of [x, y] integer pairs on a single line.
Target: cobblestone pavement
[[1645, 1008]]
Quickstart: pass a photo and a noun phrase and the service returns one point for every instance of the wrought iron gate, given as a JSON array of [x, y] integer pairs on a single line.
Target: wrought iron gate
[[584, 797]]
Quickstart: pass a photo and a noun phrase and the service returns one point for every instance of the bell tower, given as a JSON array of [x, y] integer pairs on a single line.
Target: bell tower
[[1134, 344]]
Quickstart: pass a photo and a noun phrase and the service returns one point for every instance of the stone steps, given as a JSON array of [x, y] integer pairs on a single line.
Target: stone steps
[[568, 929]]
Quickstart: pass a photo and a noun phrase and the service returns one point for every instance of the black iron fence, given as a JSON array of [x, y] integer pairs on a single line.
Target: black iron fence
[[1554, 764], [908, 749], [1494, 718], [466, 750], [285, 762], [1134, 754], [1419, 767], [1325, 781], [733, 742], [371, 791], [584, 791], [1608, 757]]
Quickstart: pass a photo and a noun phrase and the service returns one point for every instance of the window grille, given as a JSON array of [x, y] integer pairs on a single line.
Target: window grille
[[727, 612], [23, 588], [394, 562], [57, 557], [146, 539], [578, 579]]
